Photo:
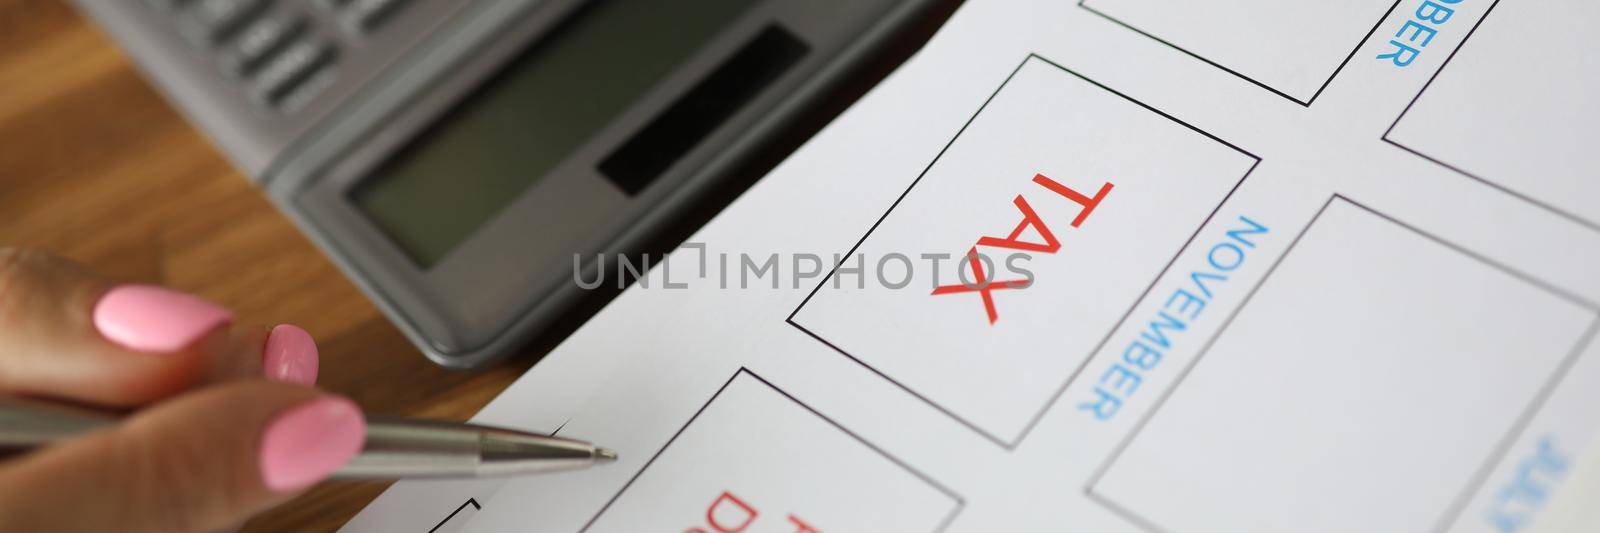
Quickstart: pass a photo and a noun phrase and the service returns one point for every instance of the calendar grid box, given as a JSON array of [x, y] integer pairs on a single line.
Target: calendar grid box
[[1459, 499], [1546, 201], [1304, 100], [956, 501], [1009, 440]]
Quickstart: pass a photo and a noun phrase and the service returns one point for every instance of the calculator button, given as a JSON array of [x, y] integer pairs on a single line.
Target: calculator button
[[290, 69], [364, 16], [258, 42], [166, 5], [210, 22]]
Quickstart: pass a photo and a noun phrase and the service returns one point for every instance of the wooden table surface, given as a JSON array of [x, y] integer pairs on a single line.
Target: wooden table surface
[[95, 166]]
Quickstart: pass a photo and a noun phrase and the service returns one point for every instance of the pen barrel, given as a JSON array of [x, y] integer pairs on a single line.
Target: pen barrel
[[394, 448], [25, 425], [412, 448]]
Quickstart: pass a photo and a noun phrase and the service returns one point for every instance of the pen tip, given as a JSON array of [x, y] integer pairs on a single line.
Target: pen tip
[[604, 455]]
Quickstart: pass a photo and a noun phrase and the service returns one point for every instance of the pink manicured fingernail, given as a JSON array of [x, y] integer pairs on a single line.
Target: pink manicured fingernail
[[149, 318], [305, 444], [290, 355]]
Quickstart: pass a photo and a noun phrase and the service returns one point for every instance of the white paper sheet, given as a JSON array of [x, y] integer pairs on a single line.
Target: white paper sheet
[[1284, 276]]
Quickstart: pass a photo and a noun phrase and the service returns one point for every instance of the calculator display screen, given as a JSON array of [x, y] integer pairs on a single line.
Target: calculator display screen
[[568, 85]]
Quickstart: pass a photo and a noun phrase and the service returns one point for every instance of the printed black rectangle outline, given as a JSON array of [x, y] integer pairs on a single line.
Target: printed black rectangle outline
[[1306, 103], [1475, 484], [470, 501], [960, 502], [1012, 444], [1591, 224]]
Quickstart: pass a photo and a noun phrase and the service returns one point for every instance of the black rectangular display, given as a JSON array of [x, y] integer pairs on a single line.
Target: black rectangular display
[[517, 127], [635, 164]]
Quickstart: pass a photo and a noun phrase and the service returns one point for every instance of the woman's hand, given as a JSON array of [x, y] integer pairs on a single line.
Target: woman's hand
[[209, 441]]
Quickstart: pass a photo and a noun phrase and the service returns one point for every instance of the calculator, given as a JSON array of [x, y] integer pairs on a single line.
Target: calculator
[[462, 161]]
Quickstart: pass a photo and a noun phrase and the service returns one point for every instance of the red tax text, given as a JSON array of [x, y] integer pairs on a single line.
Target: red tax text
[[730, 514], [976, 274]]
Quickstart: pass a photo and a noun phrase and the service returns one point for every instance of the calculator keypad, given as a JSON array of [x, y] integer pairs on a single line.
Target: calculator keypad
[[364, 16], [261, 42], [290, 70], [209, 22], [276, 50]]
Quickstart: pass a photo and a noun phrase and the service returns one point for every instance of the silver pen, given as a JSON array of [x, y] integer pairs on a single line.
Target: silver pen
[[395, 447]]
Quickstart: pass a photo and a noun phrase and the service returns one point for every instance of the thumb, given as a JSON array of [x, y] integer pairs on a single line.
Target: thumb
[[202, 461]]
